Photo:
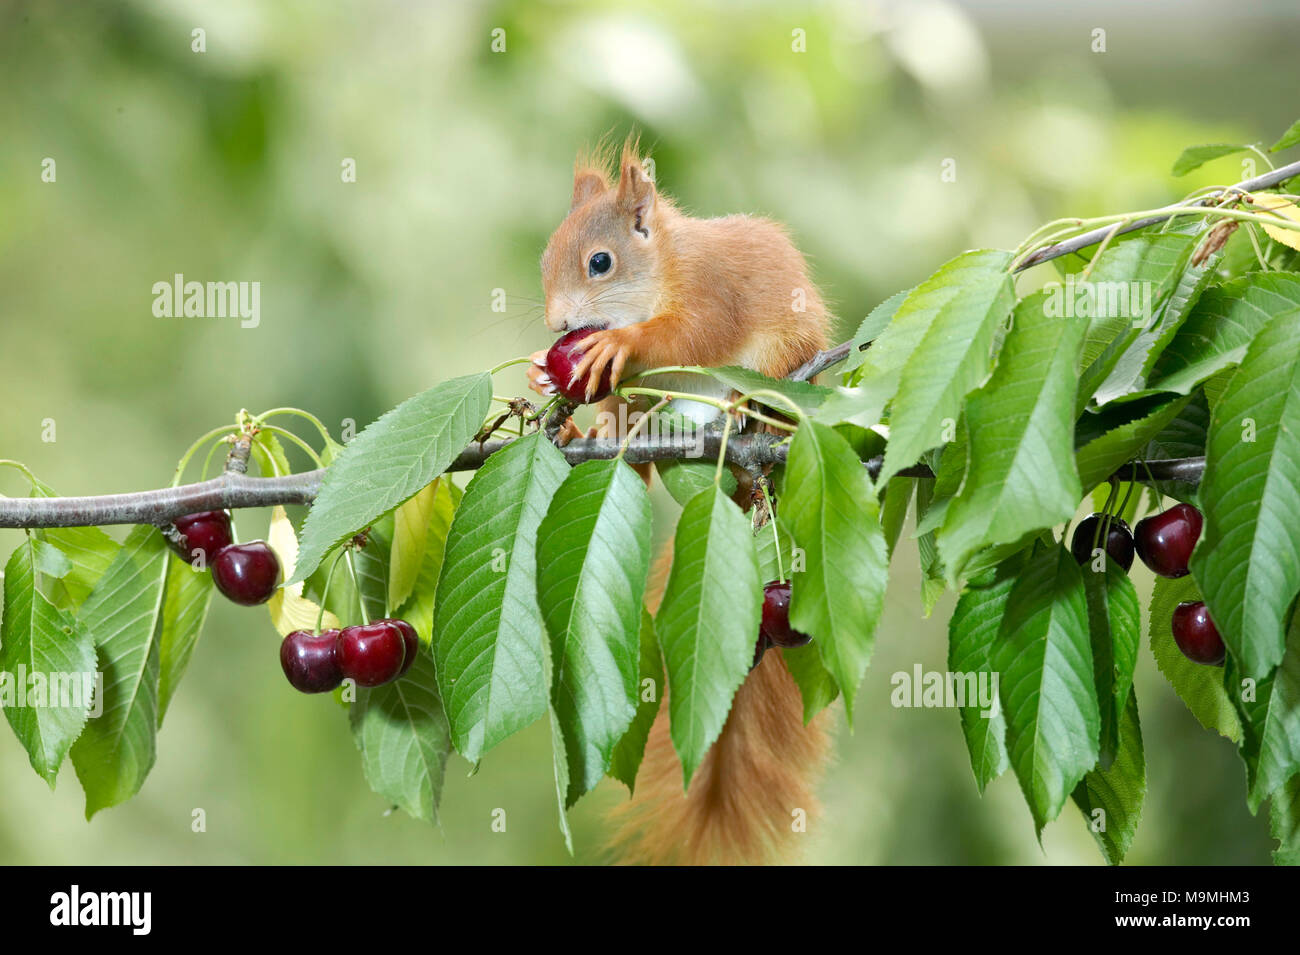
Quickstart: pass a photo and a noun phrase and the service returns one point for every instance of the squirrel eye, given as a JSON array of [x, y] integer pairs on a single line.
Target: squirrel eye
[[599, 263]]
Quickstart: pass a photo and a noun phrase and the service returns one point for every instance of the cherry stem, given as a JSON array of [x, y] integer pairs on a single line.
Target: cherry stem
[[776, 535], [356, 585], [636, 428], [185, 458], [19, 466], [722, 449], [298, 412], [290, 436], [325, 594], [507, 364]]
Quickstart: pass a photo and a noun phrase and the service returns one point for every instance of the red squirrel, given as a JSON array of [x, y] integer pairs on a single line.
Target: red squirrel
[[659, 287]]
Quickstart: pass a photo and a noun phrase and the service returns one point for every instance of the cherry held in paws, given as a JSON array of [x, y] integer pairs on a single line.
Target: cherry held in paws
[[1196, 634], [761, 646], [1165, 541], [246, 573], [310, 660], [776, 617], [1119, 541], [563, 358], [206, 531], [372, 653]]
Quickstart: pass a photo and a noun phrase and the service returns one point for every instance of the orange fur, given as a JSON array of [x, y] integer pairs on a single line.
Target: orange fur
[[687, 291]]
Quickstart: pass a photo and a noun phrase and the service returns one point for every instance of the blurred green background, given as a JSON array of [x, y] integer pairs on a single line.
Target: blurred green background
[[225, 165]]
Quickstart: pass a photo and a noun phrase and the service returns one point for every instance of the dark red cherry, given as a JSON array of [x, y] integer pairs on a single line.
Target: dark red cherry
[[246, 573], [776, 617], [563, 358], [372, 653], [1119, 541], [1165, 541], [1196, 634], [206, 531], [761, 646], [310, 660], [411, 641]]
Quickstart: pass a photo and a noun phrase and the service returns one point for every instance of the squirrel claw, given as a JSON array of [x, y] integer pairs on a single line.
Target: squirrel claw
[[604, 349]]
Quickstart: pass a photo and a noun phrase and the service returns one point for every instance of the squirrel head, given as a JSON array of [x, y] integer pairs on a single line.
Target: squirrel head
[[601, 266]]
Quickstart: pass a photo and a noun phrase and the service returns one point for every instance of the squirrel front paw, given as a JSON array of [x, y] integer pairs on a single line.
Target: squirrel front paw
[[609, 348], [538, 378]]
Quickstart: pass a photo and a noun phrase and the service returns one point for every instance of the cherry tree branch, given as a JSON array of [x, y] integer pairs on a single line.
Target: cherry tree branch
[[236, 490], [1274, 177]]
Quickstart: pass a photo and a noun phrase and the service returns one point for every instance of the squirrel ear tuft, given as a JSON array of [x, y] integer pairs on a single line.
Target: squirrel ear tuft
[[587, 183], [636, 193]]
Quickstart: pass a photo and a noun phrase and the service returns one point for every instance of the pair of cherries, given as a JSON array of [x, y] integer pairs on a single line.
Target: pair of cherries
[[245, 573], [371, 654], [774, 630], [1164, 542]]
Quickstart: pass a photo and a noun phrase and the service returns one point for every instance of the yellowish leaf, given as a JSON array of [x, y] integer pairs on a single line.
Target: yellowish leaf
[[289, 609], [1282, 206], [410, 536]]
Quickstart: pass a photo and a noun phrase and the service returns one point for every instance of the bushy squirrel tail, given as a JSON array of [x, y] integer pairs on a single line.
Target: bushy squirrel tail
[[744, 801]]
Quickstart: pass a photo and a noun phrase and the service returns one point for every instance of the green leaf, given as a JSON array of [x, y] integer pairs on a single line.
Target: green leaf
[[1288, 139], [47, 661], [371, 563], [933, 579], [1284, 812], [1184, 437], [1194, 157], [1247, 561], [893, 512], [390, 461], [1048, 697], [274, 451], [1129, 376], [1200, 687], [1219, 329], [1145, 268], [1270, 719], [1115, 629], [419, 606], [631, 748], [949, 475], [49, 560], [1021, 474], [807, 396], [593, 553], [708, 621], [972, 635], [403, 737], [830, 509], [1111, 799], [947, 299], [90, 550], [488, 630], [123, 613], [187, 596], [1118, 443], [951, 359], [872, 326], [410, 536], [684, 478]]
